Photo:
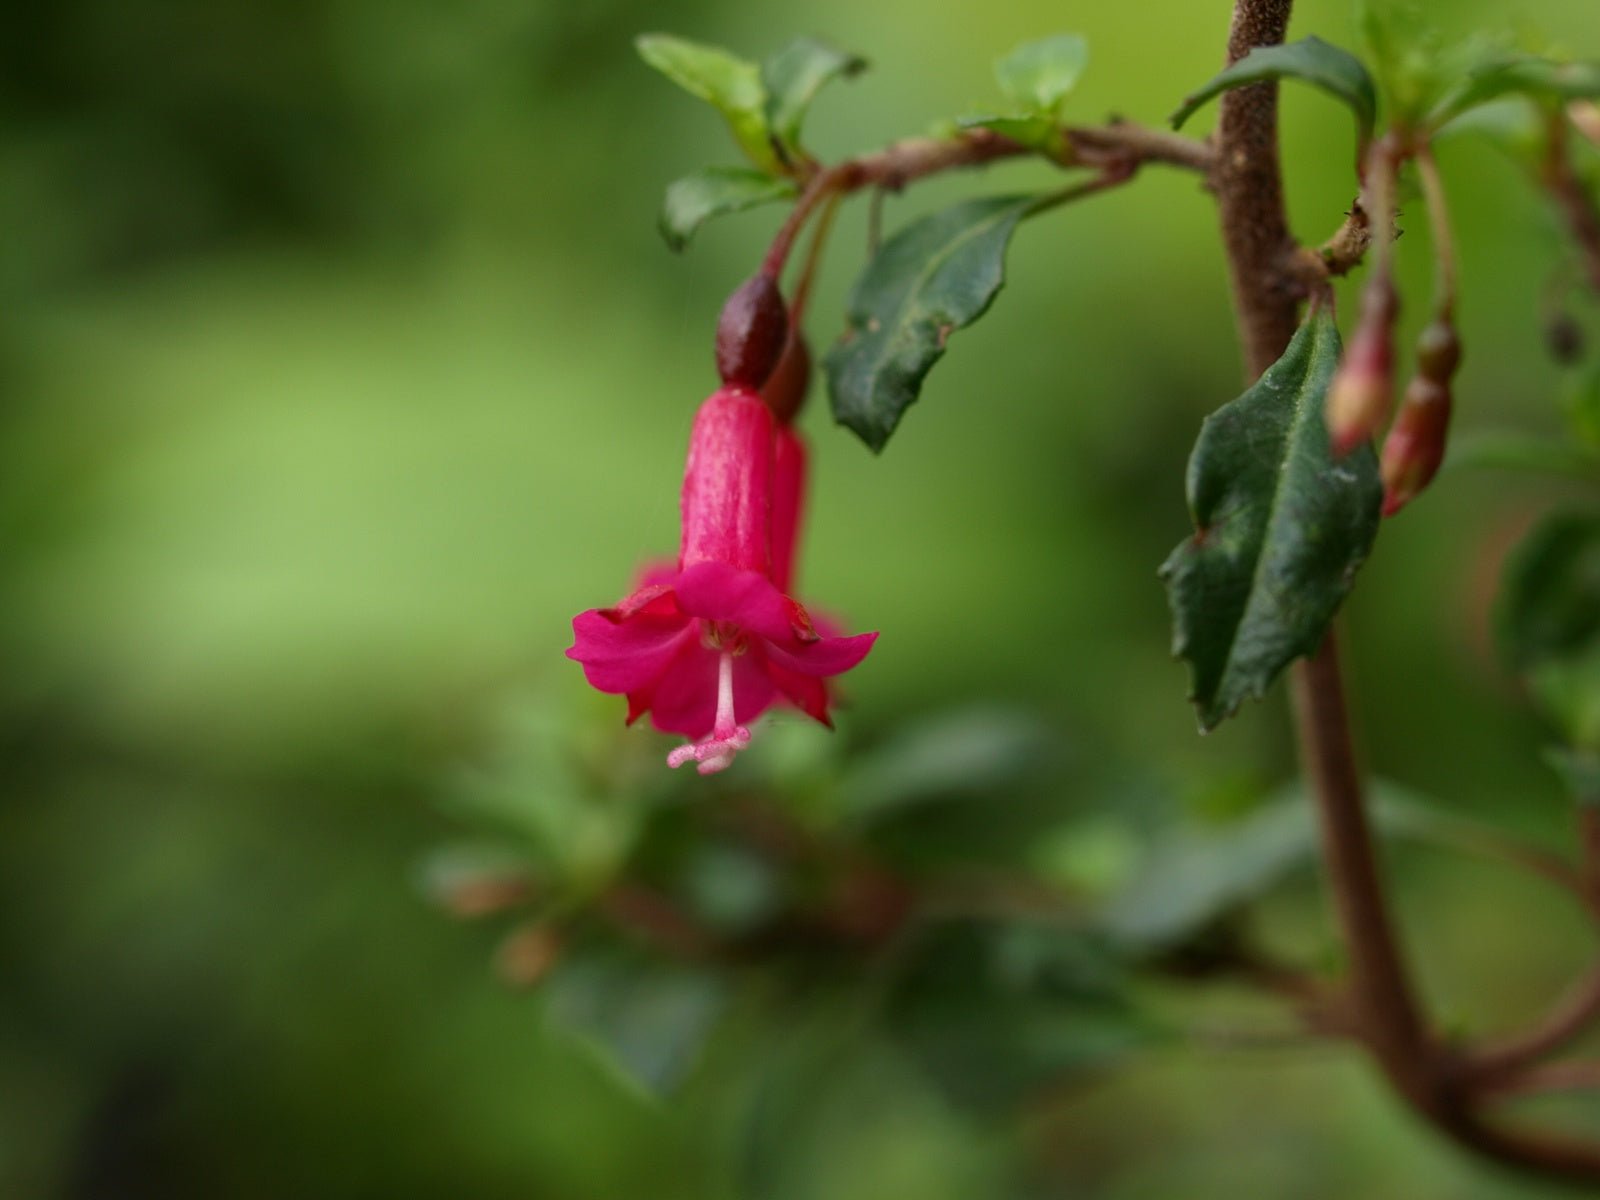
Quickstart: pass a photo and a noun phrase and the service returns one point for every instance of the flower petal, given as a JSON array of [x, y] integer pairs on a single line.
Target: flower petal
[[825, 656], [627, 654], [715, 591], [808, 693], [685, 698]]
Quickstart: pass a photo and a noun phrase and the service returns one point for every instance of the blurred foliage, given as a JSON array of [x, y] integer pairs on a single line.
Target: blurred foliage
[[340, 364]]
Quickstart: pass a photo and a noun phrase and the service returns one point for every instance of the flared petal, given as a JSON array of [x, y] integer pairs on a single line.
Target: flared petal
[[823, 657], [628, 654], [717, 592], [684, 700], [808, 693]]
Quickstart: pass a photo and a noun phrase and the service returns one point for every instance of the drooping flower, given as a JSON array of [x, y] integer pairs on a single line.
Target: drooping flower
[[709, 646]]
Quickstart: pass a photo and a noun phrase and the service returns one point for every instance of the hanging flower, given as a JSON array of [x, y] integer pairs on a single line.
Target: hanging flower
[[709, 646]]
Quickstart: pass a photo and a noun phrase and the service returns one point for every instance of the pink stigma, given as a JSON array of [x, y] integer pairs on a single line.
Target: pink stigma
[[715, 753]]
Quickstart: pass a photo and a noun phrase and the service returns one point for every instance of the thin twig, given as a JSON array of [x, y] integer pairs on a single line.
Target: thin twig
[[1574, 1013]]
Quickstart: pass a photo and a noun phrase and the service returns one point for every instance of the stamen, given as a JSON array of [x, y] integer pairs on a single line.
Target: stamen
[[715, 753]]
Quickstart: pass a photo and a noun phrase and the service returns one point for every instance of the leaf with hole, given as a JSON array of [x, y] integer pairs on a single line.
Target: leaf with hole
[[1311, 60], [715, 192], [1281, 528], [728, 83], [935, 276], [793, 77]]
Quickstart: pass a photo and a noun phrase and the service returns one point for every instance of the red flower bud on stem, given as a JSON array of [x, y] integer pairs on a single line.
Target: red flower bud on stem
[[1415, 446], [1360, 396], [751, 333]]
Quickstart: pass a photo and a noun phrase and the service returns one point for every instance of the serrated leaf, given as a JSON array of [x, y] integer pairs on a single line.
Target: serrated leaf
[[1537, 78], [730, 84], [648, 1019], [1281, 528], [1037, 76], [1311, 60], [1550, 600], [715, 192], [793, 77], [935, 276]]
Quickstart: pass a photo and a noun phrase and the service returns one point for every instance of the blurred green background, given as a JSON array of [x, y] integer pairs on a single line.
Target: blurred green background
[[340, 364]]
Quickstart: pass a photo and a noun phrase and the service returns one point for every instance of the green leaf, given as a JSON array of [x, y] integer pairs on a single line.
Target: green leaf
[[1540, 79], [996, 1012], [648, 1019], [935, 276], [1042, 134], [1281, 528], [1037, 76], [1583, 412], [1579, 771], [1550, 601], [714, 192], [794, 75], [1335, 71], [728, 83], [1522, 452]]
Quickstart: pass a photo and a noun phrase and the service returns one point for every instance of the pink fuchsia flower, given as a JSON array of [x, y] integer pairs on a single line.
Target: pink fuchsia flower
[[708, 647]]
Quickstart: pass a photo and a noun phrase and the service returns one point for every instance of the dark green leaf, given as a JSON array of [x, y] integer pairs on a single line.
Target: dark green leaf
[[1281, 528], [1540, 79], [715, 192], [1583, 413], [729, 83], [649, 1019], [996, 1012], [1550, 601], [935, 276], [1037, 76], [794, 75], [1335, 71]]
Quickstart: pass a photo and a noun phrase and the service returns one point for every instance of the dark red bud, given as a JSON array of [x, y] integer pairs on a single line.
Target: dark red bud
[[1415, 446], [1360, 395], [1438, 351], [785, 391], [751, 333]]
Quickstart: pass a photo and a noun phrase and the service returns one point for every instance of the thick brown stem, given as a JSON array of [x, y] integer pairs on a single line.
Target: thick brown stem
[[1261, 254]]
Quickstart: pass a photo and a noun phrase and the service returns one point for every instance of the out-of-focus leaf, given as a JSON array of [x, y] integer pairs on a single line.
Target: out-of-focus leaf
[[730, 84], [648, 1019], [1193, 877], [1415, 66], [1579, 770], [978, 750], [1583, 412], [715, 192], [729, 887], [1511, 125], [1537, 78], [1038, 133], [1568, 689], [1550, 600], [1312, 60], [1281, 528], [997, 1012], [1038, 75], [476, 878], [793, 77], [937, 275], [1522, 452]]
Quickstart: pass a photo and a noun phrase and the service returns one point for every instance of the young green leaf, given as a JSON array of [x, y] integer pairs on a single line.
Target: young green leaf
[[1281, 528], [1037, 76], [1312, 60], [937, 275], [1540, 79], [715, 192], [794, 75], [729, 84], [1042, 134]]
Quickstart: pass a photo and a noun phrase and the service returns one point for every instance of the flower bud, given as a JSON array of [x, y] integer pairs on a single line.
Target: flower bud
[[1415, 446], [1360, 395], [1438, 350], [785, 391], [751, 333]]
